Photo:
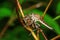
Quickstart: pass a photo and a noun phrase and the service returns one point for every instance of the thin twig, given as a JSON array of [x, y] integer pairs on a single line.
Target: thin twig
[[20, 8], [55, 38], [37, 5], [56, 18], [12, 18], [47, 8]]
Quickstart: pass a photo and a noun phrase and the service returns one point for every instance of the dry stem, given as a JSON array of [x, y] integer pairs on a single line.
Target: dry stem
[[20, 8], [12, 18], [47, 8], [37, 5], [58, 36]]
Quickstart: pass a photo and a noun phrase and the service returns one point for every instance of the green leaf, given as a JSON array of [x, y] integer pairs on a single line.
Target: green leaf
[[7, 5], [58, 8], [5, 12]]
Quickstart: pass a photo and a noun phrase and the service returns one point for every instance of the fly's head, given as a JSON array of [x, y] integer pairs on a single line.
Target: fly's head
[[27, 19]]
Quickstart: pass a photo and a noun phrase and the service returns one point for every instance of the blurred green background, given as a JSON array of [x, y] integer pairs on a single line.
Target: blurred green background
[[16, 31]]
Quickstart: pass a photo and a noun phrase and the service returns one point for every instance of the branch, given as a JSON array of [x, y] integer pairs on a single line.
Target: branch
[[37, 5], [56, 18], [46, 9], [20, 8], [12, 18], [55, 38]]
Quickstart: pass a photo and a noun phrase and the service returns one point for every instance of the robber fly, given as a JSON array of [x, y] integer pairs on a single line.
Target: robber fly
[[33, 18]]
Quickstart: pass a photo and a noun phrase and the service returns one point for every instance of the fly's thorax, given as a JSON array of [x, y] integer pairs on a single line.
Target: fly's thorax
[[35, 17]]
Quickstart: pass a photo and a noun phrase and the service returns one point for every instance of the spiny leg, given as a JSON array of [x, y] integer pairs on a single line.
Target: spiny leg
[[43, 34], [38, 34]]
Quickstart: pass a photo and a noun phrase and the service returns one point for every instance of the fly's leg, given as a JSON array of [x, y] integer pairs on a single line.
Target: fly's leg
[[38, 34], [43, 34]]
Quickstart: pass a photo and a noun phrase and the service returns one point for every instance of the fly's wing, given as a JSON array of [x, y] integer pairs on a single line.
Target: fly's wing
[[42, 22]]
